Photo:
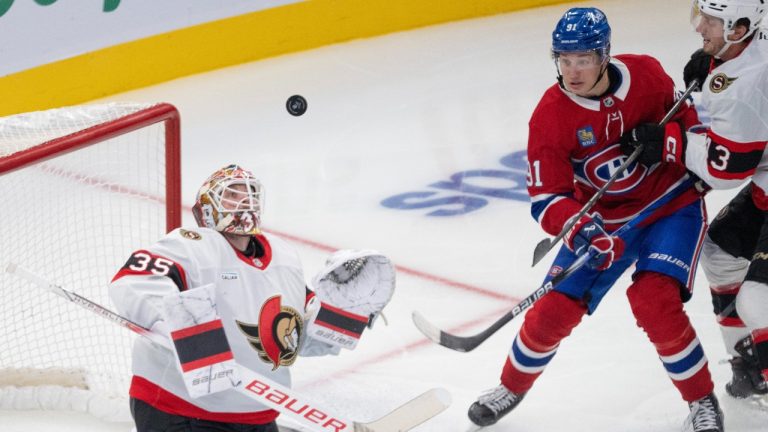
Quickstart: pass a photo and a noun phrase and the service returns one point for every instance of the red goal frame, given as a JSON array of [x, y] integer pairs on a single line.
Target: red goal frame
[[162, 112]]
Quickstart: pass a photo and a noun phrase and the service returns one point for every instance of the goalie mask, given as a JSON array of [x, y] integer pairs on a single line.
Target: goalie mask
[[230, 201]]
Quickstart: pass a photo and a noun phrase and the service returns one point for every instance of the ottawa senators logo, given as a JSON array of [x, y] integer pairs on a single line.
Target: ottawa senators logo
[[276, 336], [720, 82], [191, 235]]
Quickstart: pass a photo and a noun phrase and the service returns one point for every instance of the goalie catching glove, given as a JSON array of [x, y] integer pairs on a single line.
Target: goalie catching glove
[[353, 288]]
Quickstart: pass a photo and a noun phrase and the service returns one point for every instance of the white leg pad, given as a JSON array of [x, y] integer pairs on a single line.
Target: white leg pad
[[752, 304]]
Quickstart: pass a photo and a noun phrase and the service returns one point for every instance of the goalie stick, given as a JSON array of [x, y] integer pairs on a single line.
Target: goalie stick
[[268, 392], [544, 246], [468, 343]]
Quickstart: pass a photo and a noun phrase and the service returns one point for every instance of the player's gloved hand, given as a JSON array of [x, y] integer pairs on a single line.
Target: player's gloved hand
[[588, 233], [660, 143], [697, 68]]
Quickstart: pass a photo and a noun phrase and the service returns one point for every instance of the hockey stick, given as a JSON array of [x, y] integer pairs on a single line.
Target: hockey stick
[[268, 392], [468, 343], [546, 245]]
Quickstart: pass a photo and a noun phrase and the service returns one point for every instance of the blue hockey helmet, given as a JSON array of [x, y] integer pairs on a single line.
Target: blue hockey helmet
[[581, 30]]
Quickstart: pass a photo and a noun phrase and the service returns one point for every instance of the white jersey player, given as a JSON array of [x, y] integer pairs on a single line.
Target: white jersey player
[[227, 293], [732, 67]]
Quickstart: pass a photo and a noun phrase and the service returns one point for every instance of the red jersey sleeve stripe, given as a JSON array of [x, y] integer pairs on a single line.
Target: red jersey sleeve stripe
[[731, 160]]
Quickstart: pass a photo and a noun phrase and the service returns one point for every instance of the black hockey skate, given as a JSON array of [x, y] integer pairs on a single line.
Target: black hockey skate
[[493, 405], [747, 380], [705, 416]]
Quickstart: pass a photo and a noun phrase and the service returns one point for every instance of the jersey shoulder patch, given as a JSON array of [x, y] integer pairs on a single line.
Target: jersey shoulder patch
[[190, 235]]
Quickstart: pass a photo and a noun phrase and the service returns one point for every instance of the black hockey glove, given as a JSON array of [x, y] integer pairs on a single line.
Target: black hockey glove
[[697, 68], [660, 143]]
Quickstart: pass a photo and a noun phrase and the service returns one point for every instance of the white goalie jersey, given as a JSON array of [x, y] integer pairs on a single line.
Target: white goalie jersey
[[260, 301], [735, 99]]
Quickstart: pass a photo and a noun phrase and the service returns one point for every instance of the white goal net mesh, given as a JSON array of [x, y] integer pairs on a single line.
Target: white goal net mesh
[[73, 214]]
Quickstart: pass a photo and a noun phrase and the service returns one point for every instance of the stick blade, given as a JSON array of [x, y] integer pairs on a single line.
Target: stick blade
[[411, 414], [460, 343], [456, 343], [541, 250], [427, 328]]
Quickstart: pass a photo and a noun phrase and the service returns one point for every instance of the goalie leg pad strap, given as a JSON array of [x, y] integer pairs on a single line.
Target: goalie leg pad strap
[[340, 320], [337, 327], [201, 345], [200, 342]]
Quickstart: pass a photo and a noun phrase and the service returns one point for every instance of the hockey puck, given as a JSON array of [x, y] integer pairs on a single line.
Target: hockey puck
[[296, 105]]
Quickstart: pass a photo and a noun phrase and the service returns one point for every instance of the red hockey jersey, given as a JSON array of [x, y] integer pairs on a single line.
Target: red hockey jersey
[[573, 147]]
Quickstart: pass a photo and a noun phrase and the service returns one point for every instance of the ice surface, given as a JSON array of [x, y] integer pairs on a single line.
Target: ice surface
[[419, 112]]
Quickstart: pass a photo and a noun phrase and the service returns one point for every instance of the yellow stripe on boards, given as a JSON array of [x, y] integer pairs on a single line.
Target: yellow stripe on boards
[[231, 41]]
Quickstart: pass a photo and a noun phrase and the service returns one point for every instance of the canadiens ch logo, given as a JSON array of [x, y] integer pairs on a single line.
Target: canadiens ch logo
[[720, 82], [276, 336], [555, 270], [600, 167]]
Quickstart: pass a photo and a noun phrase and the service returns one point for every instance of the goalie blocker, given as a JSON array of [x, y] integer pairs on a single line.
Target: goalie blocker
[[203, 354], [353, 288]]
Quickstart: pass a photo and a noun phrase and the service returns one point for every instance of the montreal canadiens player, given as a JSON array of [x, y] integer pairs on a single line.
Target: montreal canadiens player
[[227, 292], [732, 67], [573, 149]]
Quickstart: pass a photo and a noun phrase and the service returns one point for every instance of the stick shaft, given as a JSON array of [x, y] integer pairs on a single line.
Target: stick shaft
[[468, 343]]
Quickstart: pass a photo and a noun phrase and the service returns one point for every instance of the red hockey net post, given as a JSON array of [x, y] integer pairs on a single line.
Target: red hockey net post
[[81, 188]]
